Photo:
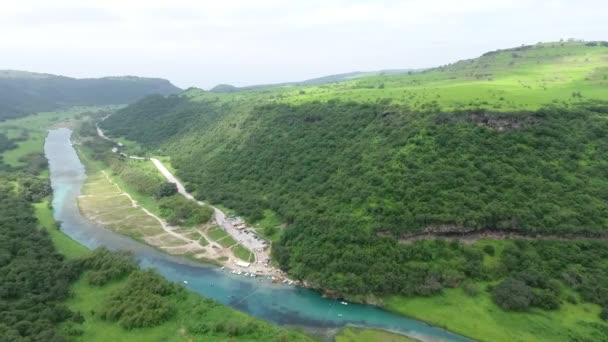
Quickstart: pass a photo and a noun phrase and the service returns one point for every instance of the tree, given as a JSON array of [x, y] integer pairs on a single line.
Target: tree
[[489, 250], [512, 295], [166, 189]]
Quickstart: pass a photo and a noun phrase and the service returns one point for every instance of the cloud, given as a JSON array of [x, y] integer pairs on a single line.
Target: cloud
[[44, 16], [201, 42]]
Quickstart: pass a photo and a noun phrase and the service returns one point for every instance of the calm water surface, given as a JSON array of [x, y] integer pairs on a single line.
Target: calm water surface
[[278, 303]]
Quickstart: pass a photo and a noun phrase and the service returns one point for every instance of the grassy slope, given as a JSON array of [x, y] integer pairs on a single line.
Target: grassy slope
[[507, 80], [481, 319], [64, 244]]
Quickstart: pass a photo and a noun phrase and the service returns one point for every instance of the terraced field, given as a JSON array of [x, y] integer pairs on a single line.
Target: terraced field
[[104, 202]]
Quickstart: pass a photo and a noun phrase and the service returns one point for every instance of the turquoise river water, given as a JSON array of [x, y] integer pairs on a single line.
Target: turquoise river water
[[278, 303]]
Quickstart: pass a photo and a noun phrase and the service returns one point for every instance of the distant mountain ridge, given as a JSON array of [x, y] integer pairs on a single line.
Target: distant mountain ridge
[[23, 92], [227, 88]]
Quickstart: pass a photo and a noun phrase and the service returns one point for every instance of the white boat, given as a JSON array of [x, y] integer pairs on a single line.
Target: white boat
[[339, 315], [247, 274], [344, 303], [239, 272], [290, 282], [185, 282], [233, 271], [284, 281], [222, 268]]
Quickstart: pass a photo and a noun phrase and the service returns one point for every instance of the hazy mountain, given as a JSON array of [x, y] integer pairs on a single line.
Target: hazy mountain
[[23, 92]]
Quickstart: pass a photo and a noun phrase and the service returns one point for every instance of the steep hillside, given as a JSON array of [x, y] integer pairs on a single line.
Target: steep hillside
[[24, 92], [511, 142]]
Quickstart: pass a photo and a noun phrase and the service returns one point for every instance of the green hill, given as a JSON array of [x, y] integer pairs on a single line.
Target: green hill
[[227, 88], [24, 92], [512, 142]]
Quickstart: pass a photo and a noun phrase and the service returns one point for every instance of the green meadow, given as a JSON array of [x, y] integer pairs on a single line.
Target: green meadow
[[508, 80], [29, 132], [479, 318]]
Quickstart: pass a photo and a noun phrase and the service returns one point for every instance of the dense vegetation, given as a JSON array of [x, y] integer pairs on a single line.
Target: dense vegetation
[[503, 143], [180, 211], [46, 297], [25, 93], [144, 305], [34, 278]]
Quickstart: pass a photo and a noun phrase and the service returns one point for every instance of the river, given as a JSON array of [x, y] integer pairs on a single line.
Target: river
[[278, 303]]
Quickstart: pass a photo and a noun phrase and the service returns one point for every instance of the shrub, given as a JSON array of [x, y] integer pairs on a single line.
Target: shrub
[[166, 189], [604, 314], [471, 289], [489, 250], [545, 299], [512, 295], [180, 211], [106, 266], [143, 301]]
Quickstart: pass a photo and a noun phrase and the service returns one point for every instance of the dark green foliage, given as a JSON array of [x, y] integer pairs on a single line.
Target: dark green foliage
[[144, 301], [34, 163], [571, 299], [346, 177], [604, 314], [314, 164], [489, 249], [35, 189], [105, 266], [34, 278], [546, 299], [180, 211], [166, 189], [23, 93], [6, 143], [512, 295], [156, 116]]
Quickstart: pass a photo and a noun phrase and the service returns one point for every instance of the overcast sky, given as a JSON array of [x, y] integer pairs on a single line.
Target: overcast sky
[[203, 43]]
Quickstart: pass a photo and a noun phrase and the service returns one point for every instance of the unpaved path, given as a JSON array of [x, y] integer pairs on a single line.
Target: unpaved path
[[162, 222], [171, 178]]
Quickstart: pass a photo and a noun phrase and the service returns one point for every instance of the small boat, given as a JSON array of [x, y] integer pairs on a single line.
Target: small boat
[[252, 275], [344, 303], [233, 271], [239, 272], [185, 282], [222, 268], [290, 282], [247, 274], [339, 315]]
